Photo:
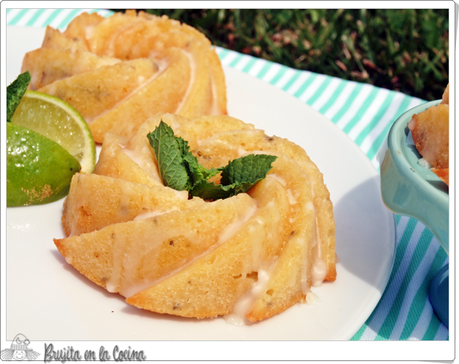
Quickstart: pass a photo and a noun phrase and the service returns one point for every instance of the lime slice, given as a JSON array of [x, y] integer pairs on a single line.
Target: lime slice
[[39, 170], [60, 122]]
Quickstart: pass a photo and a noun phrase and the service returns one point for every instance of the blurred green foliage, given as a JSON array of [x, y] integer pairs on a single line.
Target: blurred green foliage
[[399, 49]]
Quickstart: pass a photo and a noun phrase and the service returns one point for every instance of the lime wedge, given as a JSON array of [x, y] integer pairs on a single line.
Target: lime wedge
[[39, 170], [58, 121]]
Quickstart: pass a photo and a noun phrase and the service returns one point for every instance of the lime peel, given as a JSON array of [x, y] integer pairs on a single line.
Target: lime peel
[[39, 170]]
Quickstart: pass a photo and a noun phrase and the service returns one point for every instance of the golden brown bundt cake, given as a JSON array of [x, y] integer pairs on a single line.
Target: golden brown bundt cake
[[253, 254], [118, 71]]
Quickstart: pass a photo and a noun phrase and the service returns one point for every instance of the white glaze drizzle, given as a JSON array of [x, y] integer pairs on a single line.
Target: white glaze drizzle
[[190, 84], [245, 303], [140, 158], [312, 298], [124, 264]]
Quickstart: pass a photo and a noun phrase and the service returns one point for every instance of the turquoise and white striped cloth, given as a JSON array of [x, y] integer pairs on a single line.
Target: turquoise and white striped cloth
[[365, 113]]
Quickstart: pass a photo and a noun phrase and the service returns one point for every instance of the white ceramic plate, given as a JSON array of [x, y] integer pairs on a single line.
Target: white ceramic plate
[[48, 300]]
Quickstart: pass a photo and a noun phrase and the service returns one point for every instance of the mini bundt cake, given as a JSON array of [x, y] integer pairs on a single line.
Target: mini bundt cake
[[253, 254], [430, 132], [117, 71]]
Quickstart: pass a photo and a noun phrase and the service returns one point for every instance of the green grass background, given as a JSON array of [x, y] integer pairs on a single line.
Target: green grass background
[[399, 49]]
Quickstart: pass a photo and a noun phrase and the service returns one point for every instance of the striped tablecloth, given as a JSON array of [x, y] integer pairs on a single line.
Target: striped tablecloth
[[365, 113]]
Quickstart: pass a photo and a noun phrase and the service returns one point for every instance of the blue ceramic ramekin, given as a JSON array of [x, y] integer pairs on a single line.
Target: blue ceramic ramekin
[[408, 188]]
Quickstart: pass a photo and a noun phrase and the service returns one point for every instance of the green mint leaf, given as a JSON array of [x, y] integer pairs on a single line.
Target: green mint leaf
[[14, 93], [210, 191], [180, 169], [239, 176], [168, 152], [245, 172]]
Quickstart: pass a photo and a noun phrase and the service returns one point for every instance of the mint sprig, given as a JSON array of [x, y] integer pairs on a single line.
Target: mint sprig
[[169, 154], [14, 93], [180, 169], [245, 172]]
